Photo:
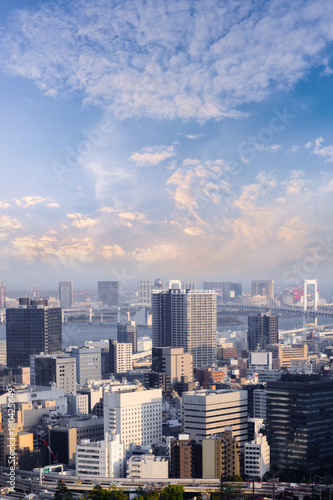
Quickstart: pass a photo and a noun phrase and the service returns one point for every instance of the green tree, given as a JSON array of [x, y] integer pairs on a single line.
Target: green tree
[[236, 478], [172, 492], [98, 493], [146, 495], [62, 492]]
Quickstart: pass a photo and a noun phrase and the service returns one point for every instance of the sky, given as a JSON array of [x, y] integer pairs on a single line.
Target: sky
[[184, 139]]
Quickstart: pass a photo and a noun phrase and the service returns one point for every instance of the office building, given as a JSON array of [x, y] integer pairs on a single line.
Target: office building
[[264, 288], [260, 403], [262, 330], [2, 295], [185, 457], [300, 422], [147, 466], [257, 458], [208, 412], [77, 403], [284, 355], [60, 369], [210, 376], [260, 360], [128, 334], [220, 456], [172, 361], [186, 318], [100, 458], [3, 353], [134, 414], [62, 442], [120, 357], [108, 293], [144, 292], [231, 290], [32, 328], [88, 363], [157, 380], [66, 294], [213, 285]]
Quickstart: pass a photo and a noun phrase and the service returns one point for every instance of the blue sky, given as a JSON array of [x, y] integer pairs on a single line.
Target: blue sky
[[186, 139]]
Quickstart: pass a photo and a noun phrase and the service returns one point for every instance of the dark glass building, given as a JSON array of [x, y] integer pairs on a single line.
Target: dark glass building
[[300, 423], [127, 334], [108, 293], [32, 328], [262, 330]]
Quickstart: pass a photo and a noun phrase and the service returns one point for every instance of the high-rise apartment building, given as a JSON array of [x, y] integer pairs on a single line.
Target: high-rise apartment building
[[128, 334], [120, 357], [134, 414], [88, 363], [185, 457], [208, 412], [32, 328], [2, 295], [108, 293], [264, 288], [144, 292], [57, 368], [3, 353], [220, 456], [186, 318], [66, 294], [262, 330], [300, 422]]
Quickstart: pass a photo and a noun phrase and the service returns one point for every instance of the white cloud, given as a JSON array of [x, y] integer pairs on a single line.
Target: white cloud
[[193, 137], [153, 156], [53, 205], [8, 223], [4, 205], [195, 184], [193, 231], [197, 60], [293, 149], [110, 251], [321, 151], [81, 222], [30, 201]]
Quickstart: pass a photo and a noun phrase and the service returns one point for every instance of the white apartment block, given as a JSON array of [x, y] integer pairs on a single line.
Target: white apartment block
[[135, 414], [256, 457], [208, 412], [147, 467], [259, 403], [144, 292], [121, 357], [100, 458]]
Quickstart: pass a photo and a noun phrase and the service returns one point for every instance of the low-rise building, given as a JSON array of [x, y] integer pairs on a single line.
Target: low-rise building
[[147, 467], [101, 458], [256, 457]]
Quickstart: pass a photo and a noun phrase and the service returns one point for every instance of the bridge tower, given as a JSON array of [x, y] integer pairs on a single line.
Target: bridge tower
[[305, 298]]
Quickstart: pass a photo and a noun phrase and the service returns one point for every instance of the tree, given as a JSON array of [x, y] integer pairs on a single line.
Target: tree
[[236, 479], [172, 492], [146, 495], [98, 493], [62, 492]]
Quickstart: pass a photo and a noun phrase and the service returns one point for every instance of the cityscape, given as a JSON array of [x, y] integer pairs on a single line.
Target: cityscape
[[166, 252]]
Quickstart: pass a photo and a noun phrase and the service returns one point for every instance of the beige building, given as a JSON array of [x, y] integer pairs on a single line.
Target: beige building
[[174, 362], [282, 355], [220, 456], [147, 467], [209, 412]]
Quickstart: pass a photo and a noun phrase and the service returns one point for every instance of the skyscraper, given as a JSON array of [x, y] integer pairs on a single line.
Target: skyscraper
[[32, 328], [186, 318], [108, 293], [66, 294], [300, 422], [120, 357], [262, 330], [127, 334], [88, 363], [144, 292], [2, 295], [262, 287]]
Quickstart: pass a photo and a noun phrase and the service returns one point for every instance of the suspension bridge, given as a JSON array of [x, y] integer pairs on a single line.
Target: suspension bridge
[[313, 307]]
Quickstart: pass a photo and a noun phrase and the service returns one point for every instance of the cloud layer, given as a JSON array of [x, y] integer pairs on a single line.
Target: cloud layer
[[167, 58]]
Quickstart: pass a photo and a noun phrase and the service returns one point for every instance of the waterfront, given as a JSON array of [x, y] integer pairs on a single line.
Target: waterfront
[[77, 333]]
